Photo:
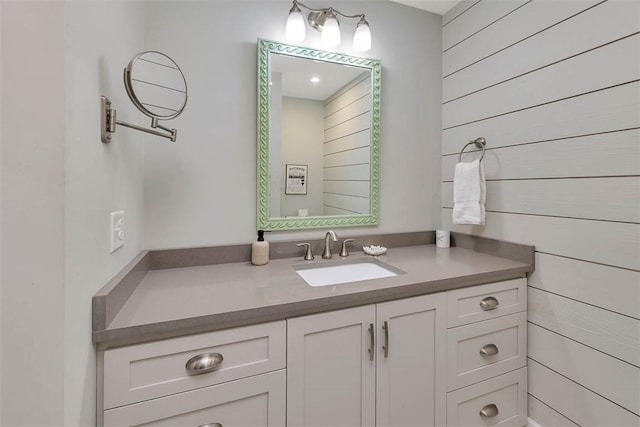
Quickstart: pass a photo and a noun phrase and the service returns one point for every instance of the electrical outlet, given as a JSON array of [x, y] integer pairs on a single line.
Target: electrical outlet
[[117, 230]]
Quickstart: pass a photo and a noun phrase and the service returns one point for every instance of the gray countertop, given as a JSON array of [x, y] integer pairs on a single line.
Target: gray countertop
[[180, 301]]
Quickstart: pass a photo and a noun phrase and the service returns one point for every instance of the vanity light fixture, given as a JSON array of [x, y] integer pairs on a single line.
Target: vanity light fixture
[[315, 79], [326, 21]]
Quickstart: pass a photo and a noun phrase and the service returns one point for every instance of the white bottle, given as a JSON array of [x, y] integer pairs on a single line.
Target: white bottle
[[260, 250]]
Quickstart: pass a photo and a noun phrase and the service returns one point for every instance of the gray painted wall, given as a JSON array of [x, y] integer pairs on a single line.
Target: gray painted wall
[[59, 182], [190, 199], [59, 185], [302, 130], [32, 213], [554, 87], [100, 39]]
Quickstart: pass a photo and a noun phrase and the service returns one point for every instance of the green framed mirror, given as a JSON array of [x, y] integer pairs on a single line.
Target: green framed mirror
[[318, 156]]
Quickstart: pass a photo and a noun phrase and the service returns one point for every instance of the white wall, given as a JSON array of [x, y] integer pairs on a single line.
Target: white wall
[[302, 141], [555, 89], [190, 198], [100, 39], [32, 213], [59, 185]]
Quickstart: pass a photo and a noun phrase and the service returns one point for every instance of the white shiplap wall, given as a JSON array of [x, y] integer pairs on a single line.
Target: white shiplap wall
[[554, 87], [347, 153]]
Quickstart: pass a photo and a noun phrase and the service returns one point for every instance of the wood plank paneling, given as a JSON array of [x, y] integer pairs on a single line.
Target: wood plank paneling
[[352, 204], [554, 87], [347, 97], [608, 332], [610, 199], [348, 188], [511, 63], [348, 173], [476, 19], [575, 238], [576, 362], [578, 403], [609, 154], [354, 109], [545, 416], [523, 23], [349, 142], [457, 10], [611, 288], [351, 157], [601, 111], [611, 64], [353, 125]]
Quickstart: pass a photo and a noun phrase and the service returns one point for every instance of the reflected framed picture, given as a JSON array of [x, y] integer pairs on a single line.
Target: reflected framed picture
[[296, 179]]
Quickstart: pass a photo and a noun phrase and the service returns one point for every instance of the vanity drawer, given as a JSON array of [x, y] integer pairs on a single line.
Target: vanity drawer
[[503, 400], [146, 371], [485, 302], [250, 402], [482, 350]]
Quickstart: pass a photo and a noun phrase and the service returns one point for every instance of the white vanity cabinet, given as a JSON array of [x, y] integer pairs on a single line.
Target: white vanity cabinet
[[232, 377], [487, 355], [455, 358], [380, 364]]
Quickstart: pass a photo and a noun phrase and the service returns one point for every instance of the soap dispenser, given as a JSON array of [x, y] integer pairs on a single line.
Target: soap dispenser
[[260, 250]]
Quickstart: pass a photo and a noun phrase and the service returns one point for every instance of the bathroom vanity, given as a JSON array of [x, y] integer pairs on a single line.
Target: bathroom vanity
[[238, 345]]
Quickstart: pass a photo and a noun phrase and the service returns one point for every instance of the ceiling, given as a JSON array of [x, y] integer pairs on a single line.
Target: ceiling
[[436, 6], [296, 73]]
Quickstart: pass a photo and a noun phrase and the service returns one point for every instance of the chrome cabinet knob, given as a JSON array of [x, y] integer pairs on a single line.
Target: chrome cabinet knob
[[203, 363], [489, 411], [211, 425], [489, 303], [489, 350]]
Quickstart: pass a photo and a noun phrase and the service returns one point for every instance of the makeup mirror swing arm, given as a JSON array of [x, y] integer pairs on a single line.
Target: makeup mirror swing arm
[[108, 124]]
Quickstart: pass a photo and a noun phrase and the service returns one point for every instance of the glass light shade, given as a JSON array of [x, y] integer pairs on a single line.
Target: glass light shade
[[362, 37], [294, 31], [331, 32]]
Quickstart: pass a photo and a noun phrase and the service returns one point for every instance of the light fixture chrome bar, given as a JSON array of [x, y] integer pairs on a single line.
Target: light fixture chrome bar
[[317, 18]]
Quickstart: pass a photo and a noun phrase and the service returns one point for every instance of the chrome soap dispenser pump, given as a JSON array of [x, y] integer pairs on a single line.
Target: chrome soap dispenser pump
[[260, 250]]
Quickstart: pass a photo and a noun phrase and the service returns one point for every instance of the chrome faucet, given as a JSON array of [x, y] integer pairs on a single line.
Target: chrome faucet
[[326, 253]]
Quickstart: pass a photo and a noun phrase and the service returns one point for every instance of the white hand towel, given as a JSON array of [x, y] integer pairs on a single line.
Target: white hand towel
[[469, 193]]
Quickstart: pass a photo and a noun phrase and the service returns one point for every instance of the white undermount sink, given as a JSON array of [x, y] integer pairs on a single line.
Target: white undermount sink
[[345, 271]]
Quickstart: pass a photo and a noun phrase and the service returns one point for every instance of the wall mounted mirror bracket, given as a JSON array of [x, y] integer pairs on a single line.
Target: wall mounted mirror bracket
[[156, 86], [108, 124]]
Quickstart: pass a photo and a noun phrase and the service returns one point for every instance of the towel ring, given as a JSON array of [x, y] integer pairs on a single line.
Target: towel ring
[[479, 142]]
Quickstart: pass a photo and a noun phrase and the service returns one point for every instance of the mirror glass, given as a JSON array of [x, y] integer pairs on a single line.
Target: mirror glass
[[156, 85], [318, 136]]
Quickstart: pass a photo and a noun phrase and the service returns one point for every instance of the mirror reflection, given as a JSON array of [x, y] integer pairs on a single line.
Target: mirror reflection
[[317, 160], [320, 116]]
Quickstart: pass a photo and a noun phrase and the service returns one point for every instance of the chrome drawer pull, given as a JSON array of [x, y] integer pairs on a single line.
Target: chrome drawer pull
[[489, 303], [489, 350], [372, 338], [203, 363], [211, 425], [385, 347], [489, 411]]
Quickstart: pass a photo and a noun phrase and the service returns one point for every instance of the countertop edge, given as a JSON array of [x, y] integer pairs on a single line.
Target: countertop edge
[[109, 338]]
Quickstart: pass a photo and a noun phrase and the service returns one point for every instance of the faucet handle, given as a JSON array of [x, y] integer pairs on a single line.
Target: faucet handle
[[344, 252], [308, 256]]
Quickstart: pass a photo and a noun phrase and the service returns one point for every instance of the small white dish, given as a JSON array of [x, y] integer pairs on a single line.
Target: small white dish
[[374, 250]]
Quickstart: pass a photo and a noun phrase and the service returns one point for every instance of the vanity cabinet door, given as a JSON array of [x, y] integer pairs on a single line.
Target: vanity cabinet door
[[331, 370], [411, 362]]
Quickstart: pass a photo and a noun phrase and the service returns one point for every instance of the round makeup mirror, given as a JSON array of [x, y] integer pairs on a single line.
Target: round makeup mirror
[[156, 85]]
